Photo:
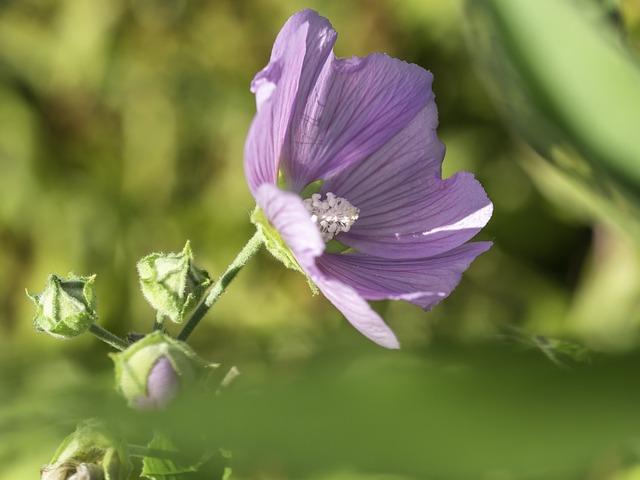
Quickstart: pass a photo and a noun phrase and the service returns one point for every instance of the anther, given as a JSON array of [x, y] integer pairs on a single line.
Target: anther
[[333, 215]]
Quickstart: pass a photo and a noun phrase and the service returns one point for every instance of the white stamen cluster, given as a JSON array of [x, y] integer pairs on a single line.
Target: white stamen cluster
[[333, 215]]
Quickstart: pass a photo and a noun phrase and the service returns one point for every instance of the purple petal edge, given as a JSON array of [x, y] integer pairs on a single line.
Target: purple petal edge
[[287, 214], [423, 282]]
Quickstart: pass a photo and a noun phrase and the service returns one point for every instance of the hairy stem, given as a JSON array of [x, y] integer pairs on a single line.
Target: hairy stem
[[221, 285], [108, 337]]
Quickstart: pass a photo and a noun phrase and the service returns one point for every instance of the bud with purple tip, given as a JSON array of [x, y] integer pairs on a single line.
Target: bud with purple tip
[[152, 371]]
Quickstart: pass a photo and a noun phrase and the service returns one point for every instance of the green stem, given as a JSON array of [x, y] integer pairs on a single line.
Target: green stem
[[108, 337], [221, 285], [159, 323]]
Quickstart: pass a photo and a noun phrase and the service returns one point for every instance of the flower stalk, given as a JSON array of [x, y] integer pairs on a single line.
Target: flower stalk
[[221, 285], [158, 324], [108, 337]]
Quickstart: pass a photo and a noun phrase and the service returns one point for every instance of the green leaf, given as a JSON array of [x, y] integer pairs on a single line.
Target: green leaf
[[167, 462], [564, 81], [582, 73], [171, 466]]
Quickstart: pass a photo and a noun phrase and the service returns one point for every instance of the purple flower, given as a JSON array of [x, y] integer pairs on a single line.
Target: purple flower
[[362, 131]]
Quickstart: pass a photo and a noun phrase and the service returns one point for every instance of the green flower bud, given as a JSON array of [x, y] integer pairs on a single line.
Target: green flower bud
[[66, 307], [153, 370], [171, 283], [92, 452]]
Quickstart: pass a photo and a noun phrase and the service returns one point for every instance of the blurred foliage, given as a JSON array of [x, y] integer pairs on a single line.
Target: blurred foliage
[[122, 125]]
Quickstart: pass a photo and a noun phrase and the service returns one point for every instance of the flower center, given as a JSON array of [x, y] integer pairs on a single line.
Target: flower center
[[333, 215]]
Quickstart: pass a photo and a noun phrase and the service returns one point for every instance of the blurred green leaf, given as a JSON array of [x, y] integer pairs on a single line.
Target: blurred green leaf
[[581, 72], [568, 85], [455, 413], [167, 461], [170, 468]]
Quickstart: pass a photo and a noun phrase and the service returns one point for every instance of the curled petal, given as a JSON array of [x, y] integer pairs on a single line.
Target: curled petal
[[275, 88], [355, 309], [423, 282], [298, 54], [287, 214]]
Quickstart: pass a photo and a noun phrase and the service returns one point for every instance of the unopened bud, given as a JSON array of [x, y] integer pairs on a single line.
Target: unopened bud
[[67, 306], [153, 370], [171, 283], [92, 452]]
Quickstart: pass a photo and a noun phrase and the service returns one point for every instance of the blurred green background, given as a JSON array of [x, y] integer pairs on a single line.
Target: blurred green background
[[122, 126]]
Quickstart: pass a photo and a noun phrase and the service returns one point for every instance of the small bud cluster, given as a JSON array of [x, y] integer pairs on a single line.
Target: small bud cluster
[[150, 370]]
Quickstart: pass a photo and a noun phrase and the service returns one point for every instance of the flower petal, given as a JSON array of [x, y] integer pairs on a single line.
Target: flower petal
[[355, 107], [298, 54], [415, 151], [409, 214], [287, 214], [355, 308], [423, 282]]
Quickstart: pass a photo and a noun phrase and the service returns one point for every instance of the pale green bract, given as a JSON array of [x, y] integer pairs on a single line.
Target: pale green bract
[[276, 246]]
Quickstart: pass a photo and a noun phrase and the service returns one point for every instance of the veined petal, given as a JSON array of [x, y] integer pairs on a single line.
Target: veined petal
[[355, 107], [418, 217], [423, 282], [298, 54], [316, 43], [287, 214], [413, 155]]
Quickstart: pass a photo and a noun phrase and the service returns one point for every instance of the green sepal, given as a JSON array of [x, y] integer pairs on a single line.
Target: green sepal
[[312, 188], [134, 364], [171, 283], [277, 246], [66, 307], [94, 444], [334, 246]]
